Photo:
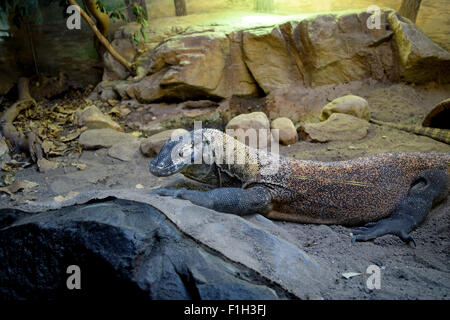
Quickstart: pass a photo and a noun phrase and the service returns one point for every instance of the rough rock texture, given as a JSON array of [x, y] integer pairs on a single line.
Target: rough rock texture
[[125, 151], [421, 60], [268, 58], [125, 251], [338, 127], [208, 64], [284, 130], [251, 128], [255, 244], [124, 44], [103, 138], [46, 165], [93, 118], [151, 146], [350, 104], [221, 61]]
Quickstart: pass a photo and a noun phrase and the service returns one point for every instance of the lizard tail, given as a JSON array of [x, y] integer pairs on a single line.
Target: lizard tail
[[442, 135]]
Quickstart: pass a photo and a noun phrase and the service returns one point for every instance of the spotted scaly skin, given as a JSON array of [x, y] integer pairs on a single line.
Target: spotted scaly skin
[[442, 135], [351, 192]]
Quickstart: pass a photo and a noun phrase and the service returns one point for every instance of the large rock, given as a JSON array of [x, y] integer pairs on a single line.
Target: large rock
[[338, 127], [257, 243], [350, 104], [151, 146], [125, 251], [222, 61], [208, 64], [251, 128], [338, 48], [421, 59]]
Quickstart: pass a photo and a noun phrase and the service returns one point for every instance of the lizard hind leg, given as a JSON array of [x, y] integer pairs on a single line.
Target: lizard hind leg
[[428, 188]]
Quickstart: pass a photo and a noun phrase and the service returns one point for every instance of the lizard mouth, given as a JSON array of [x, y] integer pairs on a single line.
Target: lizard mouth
[[164, 171]]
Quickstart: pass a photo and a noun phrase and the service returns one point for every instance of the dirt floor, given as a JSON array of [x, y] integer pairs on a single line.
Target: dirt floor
[[406, 272]]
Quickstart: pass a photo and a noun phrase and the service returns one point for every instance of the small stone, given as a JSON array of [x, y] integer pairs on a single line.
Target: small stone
[[46, 165], [285, 130], [93, 118], [350, 104], [79, 166], [251, 128]]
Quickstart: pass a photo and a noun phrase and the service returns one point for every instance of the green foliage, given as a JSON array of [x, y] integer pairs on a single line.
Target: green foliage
[[101, 6], [141, 18], [116, 14], [140, 14]]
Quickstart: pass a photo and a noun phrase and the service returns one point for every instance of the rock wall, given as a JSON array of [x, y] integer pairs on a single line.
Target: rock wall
[[222, 61]]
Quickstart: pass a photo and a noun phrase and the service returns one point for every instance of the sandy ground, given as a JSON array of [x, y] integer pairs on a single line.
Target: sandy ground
[[406, 272]]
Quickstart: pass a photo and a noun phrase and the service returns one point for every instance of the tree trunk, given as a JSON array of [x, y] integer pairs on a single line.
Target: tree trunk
[[180, 7], [264, 5], [129, 4], [102, 39], [409, 9], [102, 20]]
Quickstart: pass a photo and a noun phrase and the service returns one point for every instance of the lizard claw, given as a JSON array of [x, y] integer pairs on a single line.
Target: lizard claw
[[383, 227]]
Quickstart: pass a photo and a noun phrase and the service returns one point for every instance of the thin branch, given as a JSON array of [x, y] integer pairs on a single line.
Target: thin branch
[[128, 65]]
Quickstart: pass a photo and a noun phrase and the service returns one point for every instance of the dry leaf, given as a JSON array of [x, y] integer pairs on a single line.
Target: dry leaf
[[70, 195], [348, 275], [136, 133], [19, 185], [79, 166], [71, 136]]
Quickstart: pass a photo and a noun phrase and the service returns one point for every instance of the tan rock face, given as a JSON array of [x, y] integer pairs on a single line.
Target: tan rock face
[[284, 130], [204, 65], [93, 118], [340, 48], [251, 128], [421, 59], [268, 59], [151, 146], [338, 127], [222, 61], [350, 104]]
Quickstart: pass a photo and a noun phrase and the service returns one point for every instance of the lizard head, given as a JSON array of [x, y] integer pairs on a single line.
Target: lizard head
[[181, 152]]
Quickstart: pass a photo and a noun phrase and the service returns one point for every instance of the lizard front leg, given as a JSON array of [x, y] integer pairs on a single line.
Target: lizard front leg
[[229, 200], [428, 187]]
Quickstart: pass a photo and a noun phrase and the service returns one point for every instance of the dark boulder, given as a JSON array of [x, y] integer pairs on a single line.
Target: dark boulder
[[125, 250]]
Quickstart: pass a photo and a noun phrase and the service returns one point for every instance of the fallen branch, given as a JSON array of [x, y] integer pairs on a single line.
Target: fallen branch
[[30, 142]]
